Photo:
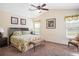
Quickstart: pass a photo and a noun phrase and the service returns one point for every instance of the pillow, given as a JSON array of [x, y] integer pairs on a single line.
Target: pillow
[[25, 32], [17, 33]]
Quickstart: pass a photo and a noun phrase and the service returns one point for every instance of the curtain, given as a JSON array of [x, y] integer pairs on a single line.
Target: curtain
[[70, 18], [72, 26]]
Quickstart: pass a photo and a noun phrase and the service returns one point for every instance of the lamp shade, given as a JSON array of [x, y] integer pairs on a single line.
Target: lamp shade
[[1, 30]]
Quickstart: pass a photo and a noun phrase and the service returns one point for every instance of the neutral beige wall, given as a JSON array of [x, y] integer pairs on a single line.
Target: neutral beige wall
[[55, 35], [5, 21]]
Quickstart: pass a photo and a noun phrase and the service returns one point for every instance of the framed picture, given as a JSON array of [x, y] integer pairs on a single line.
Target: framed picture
[[51, 23], [14, 20], [23, 21]]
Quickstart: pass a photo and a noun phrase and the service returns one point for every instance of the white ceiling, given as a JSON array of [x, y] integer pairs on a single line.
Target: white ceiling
[[23, 8], [64, 6]]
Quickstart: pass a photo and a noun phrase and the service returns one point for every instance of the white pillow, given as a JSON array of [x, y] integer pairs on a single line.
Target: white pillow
[[25, 32], [17, 33]]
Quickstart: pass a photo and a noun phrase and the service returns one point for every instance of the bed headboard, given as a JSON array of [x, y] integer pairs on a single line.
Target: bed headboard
[[11, 30]]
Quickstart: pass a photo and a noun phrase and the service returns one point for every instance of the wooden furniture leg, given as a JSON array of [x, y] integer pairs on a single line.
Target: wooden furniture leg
[[76, 45]]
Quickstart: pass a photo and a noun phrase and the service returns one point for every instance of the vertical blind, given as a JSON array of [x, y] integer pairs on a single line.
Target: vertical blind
[[37, 27], [72, 25]]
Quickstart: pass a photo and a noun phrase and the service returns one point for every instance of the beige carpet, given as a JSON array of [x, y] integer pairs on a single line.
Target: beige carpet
[[49, 49]]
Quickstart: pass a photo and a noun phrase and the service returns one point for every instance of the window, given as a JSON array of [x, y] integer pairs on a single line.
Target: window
[[72, 26], [37, 27]]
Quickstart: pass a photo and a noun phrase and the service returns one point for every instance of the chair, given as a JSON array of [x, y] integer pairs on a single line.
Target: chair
[[74, 41]]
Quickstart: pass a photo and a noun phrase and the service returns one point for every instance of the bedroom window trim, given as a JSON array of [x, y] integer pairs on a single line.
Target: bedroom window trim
[[72, 26], [36, 28]]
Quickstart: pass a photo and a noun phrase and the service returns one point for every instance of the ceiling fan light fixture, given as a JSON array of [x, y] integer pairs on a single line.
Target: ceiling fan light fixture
[[39, 11]]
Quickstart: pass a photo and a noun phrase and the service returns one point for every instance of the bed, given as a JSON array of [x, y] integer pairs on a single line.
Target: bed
[[21, 37]]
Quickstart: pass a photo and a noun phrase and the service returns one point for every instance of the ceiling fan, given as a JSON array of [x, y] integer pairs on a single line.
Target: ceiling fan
[[40, 7]]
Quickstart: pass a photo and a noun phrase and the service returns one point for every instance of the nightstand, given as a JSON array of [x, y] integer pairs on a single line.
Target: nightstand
[[3, 41]]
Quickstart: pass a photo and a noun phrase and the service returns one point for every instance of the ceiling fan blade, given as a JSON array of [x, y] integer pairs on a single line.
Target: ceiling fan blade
[[33, 5], [43, 5], [45, 9], [32, 9]]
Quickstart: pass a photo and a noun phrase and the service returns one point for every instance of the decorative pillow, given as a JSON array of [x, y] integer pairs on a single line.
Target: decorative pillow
[[17, 33], [25, 32]]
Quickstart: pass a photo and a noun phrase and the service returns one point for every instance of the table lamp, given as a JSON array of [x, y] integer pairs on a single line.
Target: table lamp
[[1, 31]]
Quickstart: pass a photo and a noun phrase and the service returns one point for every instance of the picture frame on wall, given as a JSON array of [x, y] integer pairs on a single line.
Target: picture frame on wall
[[23, 21], [14, 20], [51, 23]]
